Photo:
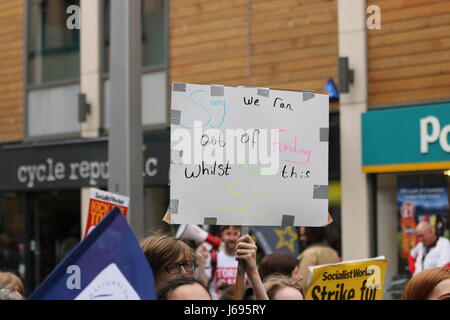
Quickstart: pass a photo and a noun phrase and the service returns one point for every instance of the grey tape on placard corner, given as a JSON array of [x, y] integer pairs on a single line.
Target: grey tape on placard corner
[[175, 117], [210, 221], [307, 95], [217, 91], [320, 192], [176, 157], [179, 87], [263, 92], [173, 206], [287, 220], [324, 133]]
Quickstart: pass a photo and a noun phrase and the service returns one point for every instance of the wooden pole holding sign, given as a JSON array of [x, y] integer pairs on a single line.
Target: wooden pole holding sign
[[239, 285]]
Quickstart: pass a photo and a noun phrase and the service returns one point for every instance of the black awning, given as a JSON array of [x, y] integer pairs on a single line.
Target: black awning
[[73, 164]]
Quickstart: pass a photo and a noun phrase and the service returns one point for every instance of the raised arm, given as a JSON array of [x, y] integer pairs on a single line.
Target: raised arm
[[246, 251]]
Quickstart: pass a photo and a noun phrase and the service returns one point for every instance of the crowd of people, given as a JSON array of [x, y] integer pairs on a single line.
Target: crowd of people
[[205, 274], [182, 272]]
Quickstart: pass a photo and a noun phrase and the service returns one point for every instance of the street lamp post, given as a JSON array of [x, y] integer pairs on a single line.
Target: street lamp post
[[125, 132]]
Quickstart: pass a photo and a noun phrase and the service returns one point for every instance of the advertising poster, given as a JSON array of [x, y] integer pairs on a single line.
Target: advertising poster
[[348, 280], [418, 203], [101, 203]]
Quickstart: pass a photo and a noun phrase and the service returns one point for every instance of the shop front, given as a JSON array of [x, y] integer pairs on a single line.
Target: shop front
[[408, 151], [40, 197]]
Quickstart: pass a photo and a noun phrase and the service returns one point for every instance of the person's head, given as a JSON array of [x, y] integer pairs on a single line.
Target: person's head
[[183, 288], [302, 236], [424, 233], [12, 282], [431, 284], [278, 262], [230, 236], [168, 257], [312, 235], [281, 287], [8, 294]]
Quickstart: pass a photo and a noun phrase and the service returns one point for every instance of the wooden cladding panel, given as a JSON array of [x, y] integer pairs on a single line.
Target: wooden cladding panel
[[301, 8], [294, 43], [398, 10], [409, 72], [199, 8], [294, 66], [409, 58], [270, 43], [209, 42], [441, 44], [237, 11], [209, 47], [409, 96], [413, 24], [208, 36], [11, 65]]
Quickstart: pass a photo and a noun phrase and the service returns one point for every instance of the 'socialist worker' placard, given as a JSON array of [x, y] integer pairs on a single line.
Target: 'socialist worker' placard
[[349, 280], [248, 156], [101, 203]]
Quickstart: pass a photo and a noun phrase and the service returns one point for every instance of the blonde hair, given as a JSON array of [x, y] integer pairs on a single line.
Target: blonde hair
[[9, 280], [421, 285], [275, 282], [161, 250]]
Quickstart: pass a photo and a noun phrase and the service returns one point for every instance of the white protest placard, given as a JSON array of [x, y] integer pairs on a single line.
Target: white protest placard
[[248, 156]]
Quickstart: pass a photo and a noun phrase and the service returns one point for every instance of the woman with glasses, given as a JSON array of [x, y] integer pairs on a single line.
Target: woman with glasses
[[169, 258]]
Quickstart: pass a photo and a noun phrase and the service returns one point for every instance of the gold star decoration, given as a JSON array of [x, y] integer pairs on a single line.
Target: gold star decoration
[[286, 238]]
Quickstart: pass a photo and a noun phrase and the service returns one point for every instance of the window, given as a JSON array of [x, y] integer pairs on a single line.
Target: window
[[12, 246], [153, 33], [53, 49]]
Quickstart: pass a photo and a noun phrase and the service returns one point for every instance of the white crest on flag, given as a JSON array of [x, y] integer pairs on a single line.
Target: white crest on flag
[[109, 284]]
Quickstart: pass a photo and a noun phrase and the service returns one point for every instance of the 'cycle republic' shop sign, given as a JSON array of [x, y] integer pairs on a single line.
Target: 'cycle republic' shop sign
[[406, 139], [76, 164]]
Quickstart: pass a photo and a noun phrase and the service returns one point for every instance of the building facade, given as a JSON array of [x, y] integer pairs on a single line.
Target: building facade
[[408, 85], [400, 97], [53, 148]]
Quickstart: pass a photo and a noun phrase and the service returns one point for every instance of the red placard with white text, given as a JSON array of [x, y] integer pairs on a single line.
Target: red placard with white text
[[102, 202]]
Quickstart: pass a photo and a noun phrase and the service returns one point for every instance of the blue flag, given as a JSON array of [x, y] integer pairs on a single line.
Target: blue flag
[[331, 89], [108, 264], [277, 239]]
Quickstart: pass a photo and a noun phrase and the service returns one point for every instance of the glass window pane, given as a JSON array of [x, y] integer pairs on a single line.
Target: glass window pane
[[12, 247], [53, 49], [154, 36], [106, 33], [59, 227]]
